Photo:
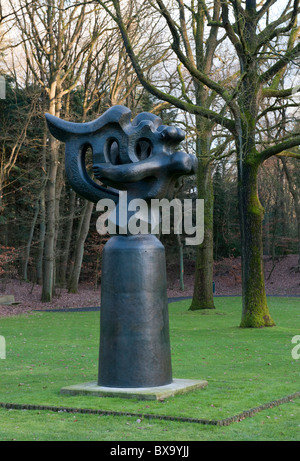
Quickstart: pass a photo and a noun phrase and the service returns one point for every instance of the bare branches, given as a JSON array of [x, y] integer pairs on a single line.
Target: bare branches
[[230, 30], [184, 32], [57, 42], [9, 161], [280, 64], [196, 74], [65, 51], [265, 8], [273, 30]]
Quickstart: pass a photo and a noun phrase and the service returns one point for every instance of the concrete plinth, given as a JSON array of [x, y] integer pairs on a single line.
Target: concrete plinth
[[178, 386]]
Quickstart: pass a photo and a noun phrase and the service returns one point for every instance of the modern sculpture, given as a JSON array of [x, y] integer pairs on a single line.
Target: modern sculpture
[[138, 157]]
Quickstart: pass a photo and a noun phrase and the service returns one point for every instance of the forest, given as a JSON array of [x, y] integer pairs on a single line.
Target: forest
[[225, 71]]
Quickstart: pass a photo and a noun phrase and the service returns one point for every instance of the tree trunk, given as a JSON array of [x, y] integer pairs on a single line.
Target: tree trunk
[[203, 285], [267, 234], [58, 233], [181, 263], [42, 233], [67, 242], [1, 193], [29, 241], [255, 309], [42, 206], [49, 249], [3, 225], [50, 201], [299, 242], [79, 248], [255, 312], [296, 197]]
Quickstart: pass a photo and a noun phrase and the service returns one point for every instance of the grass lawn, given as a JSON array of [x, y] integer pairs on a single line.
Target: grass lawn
[[244, 368]]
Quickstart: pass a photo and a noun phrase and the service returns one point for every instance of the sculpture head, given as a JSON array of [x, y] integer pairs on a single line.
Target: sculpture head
[[137, 156]]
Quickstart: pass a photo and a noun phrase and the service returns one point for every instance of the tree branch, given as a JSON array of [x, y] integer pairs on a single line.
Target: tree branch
[[289, 56], [289, 154], [271, 31], [230, 31], [264, 9], [279, 148], [274, 93]]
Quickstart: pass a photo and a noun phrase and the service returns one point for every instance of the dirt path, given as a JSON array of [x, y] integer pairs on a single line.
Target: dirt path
[[284, 281]]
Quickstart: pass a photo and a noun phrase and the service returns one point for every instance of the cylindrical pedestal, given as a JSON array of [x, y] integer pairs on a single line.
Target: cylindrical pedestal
[[134, 333]]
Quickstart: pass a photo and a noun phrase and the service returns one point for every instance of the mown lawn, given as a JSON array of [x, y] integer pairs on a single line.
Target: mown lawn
[[244, 368]]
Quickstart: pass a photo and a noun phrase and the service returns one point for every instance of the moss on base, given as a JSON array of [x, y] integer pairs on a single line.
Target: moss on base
[[198, 305], [258, 317]]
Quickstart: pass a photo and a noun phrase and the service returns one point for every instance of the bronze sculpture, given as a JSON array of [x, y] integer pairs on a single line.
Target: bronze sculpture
[[139, 157]]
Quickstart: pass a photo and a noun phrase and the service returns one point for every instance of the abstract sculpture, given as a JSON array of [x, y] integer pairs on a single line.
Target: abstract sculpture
[[138, 157]]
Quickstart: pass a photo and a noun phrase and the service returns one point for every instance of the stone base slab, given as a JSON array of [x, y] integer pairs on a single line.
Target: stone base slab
[[8, 300], [178, 386]]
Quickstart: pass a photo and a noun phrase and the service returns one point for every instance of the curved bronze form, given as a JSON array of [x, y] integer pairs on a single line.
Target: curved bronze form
[[137, 156]]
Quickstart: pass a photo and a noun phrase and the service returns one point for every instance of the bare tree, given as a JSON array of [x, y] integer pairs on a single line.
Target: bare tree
[[58, 39], [200, 46], [108, 80], [257, 35], [292, 170]]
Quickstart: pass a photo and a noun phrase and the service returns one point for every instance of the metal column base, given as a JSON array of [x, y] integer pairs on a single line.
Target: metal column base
[[134, 333]]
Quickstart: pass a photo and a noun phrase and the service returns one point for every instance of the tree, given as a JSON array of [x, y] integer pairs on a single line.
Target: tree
[[55, 64], [200, 51], [226, 222], [57, 42], [20, 181], [292, 172], [263, 39], [108, 80]]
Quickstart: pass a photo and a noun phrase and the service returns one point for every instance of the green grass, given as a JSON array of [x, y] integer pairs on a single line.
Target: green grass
[[245, 368]]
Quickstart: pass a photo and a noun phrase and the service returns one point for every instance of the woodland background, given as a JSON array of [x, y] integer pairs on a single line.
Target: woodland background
[[68, 58]]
